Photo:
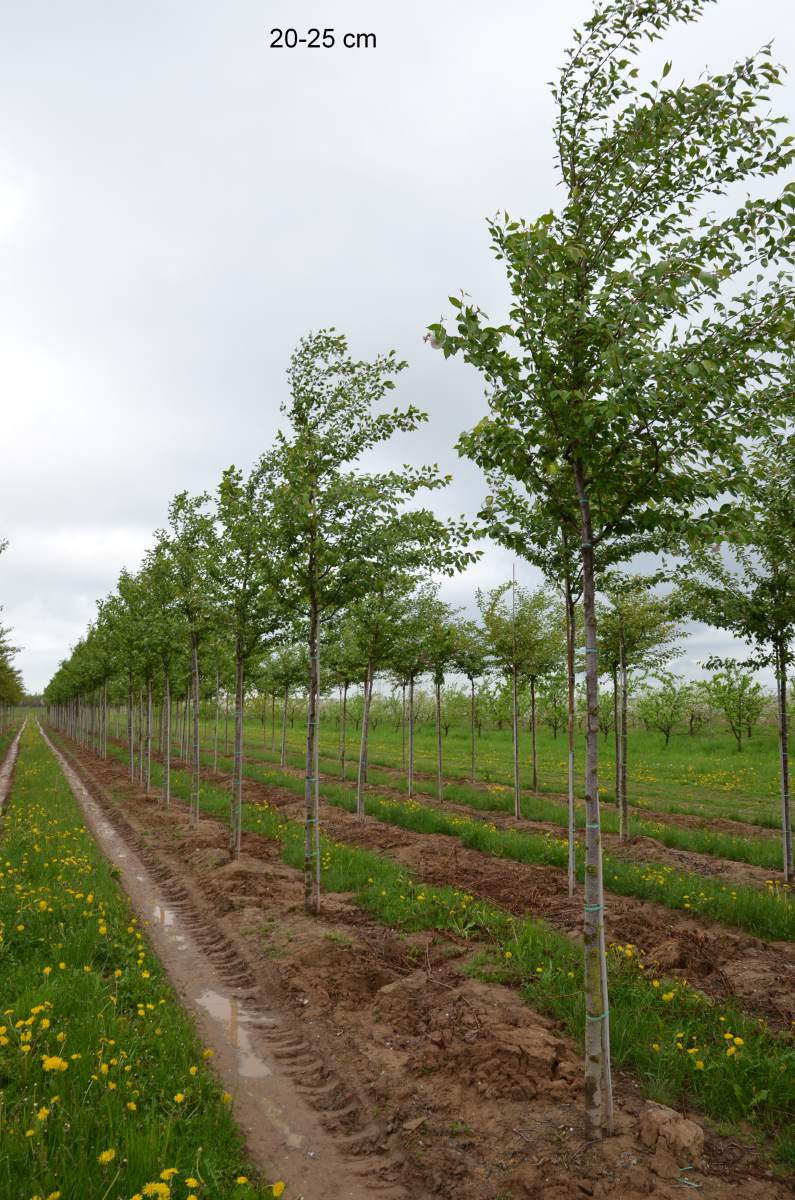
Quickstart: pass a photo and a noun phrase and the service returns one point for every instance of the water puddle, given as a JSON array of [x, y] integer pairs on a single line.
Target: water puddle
[[235, 1020]]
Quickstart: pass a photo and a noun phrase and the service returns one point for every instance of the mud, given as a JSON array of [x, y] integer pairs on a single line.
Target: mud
[[428, 1083], [7, 769]]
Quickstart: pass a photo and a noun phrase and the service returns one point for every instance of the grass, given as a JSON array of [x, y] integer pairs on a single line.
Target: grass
[[682, 1046], [768, 913], [702, 775], [105, 1089]]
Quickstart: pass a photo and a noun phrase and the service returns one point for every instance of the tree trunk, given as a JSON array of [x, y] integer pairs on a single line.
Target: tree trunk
[[217, 716], [368, 692], [148, 734], [273, 722], [236, 807], [283, 753], [617, 737], [196, 760], [571, 681], [311, 889], [403, 726], [783, 744], [344, 730], [439, 784], [472, 728], [141, 736], [517, 801], [533, 732], [411, 737], [167, 732], [598, 1084], [226, 725], [624, 808], [130, 742]]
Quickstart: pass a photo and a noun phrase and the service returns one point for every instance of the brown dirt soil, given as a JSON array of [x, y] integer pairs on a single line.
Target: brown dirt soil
[[431, 1083], [722, 962]]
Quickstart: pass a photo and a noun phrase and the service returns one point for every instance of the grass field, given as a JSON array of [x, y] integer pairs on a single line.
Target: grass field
[[702, 775], [105, 1090]]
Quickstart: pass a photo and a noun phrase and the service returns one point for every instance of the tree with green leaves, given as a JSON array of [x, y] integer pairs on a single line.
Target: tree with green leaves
[[188, 547], [640, 351], [754, 597], [245, 573], [736, 695], [637, 631], [470, 658], [522, 633], [336, 524], [662, 703]]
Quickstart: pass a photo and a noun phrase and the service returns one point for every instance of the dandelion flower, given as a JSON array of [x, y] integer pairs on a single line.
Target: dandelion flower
[[106, 1156]]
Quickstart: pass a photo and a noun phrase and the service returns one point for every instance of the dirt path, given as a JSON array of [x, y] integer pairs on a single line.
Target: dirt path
[[455, 1088], [261, 1055], [7, 769]]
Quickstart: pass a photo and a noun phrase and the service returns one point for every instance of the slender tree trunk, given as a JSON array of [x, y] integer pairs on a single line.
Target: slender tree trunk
[[167, 732], [403, 726], [534, 731], [617, 737], [226, 725], [273, 722], [236, 814], [217, 716], [368, 699], [439, 784], [283, 754], [783, 744], [570, 729], [344, 730], [517, 800], [141, 737], [130, 742], [311, 887], [598, 1083], [472, 728], [196, 763], [624, 803], [148, 734], [368, 691], [411, 737]]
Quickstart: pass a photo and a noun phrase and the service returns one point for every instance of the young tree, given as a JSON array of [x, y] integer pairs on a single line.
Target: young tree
[[470, 658], [734, 692], [636, 633], [663, 706], [188, 548], [336, 524], [755, 598], [636, 350], [245, 571]]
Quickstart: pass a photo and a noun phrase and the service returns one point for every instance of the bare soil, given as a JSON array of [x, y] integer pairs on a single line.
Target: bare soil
[[422, 1082]]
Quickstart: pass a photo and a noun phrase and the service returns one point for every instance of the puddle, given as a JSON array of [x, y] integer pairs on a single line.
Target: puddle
[[235, 1020]]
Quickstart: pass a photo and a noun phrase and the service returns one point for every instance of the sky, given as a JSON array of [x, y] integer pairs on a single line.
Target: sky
[[180, 203]]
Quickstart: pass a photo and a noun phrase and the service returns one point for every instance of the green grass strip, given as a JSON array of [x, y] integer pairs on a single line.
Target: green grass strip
[[681, 1045], [105, 1090]]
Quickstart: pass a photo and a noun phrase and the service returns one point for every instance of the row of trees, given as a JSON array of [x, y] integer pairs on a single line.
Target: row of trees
[[638, 391]]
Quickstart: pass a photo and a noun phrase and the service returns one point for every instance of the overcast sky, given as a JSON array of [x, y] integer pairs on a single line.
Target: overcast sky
[[179, 203]]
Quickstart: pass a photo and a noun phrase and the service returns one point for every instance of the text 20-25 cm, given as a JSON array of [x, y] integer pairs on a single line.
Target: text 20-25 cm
[[320, 39]]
